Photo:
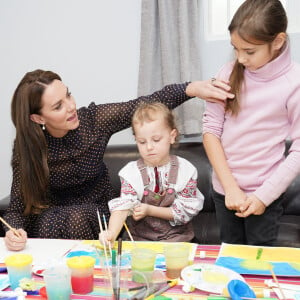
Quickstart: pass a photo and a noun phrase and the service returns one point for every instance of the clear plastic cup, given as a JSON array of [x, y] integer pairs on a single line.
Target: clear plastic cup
[[58, 282], [142, 260], [82, 274], [19, 266], [177, 257]]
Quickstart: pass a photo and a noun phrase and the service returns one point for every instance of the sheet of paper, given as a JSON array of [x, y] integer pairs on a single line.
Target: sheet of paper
[[42, 250], [259, 260]]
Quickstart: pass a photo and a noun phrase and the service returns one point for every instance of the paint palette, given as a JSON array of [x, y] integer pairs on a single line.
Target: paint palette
[[38, 270], [208, 277]]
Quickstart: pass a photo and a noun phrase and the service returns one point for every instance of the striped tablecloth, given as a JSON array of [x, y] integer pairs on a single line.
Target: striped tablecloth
[[211, 253]]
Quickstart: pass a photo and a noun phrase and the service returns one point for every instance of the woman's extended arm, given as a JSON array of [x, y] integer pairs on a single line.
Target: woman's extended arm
[[114, 117]]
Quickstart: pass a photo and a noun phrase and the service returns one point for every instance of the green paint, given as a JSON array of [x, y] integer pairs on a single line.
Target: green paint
[[259, 253], [113, 257]]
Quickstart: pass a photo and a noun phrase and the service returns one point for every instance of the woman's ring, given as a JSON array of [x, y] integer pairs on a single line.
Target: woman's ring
[[213, 80]]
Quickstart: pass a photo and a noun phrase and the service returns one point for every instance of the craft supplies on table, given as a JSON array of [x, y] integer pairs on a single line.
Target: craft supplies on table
[[44, 248]]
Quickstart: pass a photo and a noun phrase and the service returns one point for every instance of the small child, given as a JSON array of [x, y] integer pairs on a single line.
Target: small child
[[159, 191]]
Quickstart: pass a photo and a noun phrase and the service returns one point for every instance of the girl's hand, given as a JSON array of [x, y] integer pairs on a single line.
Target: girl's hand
[[140, 211], [105, 238], [212, 90], [252, 206], [13, 242], [234, 199]]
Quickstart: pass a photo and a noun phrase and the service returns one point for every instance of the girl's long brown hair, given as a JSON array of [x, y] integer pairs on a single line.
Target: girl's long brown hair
[[30, 148], [257, 22]]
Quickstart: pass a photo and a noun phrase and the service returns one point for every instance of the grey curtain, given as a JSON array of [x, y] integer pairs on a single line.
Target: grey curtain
[[170, 53]]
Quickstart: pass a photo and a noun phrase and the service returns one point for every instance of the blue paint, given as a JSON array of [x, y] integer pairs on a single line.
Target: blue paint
[[235, 264]]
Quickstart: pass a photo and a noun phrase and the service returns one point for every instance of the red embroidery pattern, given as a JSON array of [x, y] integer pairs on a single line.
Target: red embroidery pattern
[[126, 188], [190, 190]]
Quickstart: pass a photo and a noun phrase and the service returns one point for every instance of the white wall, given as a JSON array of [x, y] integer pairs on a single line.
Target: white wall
[[92, 44]]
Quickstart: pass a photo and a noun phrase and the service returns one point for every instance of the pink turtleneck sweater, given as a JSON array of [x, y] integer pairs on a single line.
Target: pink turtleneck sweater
[[254, 141]]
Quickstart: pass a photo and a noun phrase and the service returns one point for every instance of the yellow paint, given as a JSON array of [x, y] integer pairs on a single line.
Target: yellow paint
[[214, 277], [253, 264], [273, 254], [128, 245]]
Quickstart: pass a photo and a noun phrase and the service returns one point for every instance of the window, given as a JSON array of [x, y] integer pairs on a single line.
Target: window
[[220, 12]]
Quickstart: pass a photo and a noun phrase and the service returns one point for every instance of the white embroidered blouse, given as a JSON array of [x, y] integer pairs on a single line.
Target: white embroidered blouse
[[188, 199]]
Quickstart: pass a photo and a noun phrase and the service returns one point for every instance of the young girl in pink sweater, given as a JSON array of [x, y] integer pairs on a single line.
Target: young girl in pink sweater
[[245, 138]]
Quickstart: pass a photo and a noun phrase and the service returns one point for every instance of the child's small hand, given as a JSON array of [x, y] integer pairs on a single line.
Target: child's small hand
[[252, 206], [140, 211], [234, 198], [106, 237]]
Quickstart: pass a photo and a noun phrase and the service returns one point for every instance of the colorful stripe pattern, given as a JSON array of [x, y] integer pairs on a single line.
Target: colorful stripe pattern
[[211, 253]]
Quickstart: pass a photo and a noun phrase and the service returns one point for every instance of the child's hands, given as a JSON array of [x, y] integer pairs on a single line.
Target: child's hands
[[252, 206], [106, 237], [140, 211], [235, 198]]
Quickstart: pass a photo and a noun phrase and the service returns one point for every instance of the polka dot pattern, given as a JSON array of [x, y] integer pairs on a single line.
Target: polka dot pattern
[[79, 181]]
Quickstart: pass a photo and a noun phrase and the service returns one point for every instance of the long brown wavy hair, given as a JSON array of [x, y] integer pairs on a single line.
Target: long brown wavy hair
[[256, 22], [30, 147]]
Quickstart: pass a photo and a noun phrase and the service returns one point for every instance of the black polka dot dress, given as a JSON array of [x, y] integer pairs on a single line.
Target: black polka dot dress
[[79, 182]]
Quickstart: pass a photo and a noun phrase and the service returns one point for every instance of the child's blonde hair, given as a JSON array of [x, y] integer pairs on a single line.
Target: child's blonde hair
[[151, 111]]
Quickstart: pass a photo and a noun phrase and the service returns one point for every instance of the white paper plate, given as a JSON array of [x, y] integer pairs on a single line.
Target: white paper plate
[[208, 277], [38, 269]]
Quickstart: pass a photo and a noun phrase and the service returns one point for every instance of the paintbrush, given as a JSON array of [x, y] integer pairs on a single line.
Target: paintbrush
[[11, 228], [104, 247], [130, 236]]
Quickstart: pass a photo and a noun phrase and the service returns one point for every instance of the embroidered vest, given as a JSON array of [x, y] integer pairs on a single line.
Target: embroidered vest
[[156, 229]]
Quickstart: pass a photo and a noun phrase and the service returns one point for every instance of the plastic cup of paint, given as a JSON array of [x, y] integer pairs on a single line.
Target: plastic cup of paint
[[82, 274], [58, 282], [142, 260], [19, 266], [177, 257]]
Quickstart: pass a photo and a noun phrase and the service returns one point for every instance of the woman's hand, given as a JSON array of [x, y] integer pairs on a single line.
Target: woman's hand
[[212, 90], [14, 242]]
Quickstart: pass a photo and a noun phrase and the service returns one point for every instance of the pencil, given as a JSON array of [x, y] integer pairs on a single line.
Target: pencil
[[11, 228], [163, 289]]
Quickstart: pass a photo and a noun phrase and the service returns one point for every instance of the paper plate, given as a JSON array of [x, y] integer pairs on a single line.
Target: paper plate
[[208, 277], [38, 270]]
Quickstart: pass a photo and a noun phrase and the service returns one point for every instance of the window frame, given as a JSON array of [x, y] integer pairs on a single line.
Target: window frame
[[291, 6]]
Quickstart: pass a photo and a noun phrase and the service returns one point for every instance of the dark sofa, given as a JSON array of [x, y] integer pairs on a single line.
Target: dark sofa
[[205, 224]]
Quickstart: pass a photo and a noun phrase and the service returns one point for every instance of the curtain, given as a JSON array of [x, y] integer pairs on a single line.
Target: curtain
[[170, 53]]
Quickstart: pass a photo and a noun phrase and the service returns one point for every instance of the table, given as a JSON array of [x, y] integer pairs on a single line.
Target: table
[[45, 248]]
